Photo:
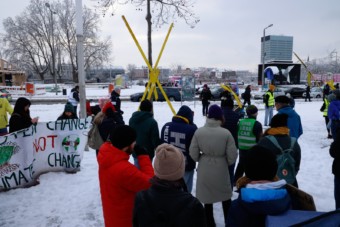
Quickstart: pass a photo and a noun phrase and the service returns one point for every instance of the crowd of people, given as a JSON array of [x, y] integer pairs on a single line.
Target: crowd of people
[[160, 194]]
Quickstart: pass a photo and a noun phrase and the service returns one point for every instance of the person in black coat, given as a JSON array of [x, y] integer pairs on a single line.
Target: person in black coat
[[205, 96], [21, 117], [231, 119], [247, 96], [116, 100], [307, 93], [334, 151], [167, 202]]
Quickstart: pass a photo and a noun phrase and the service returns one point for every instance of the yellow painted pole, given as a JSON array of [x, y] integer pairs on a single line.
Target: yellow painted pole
[[163, 46], [166, 97], [233, 93], [309, 73]]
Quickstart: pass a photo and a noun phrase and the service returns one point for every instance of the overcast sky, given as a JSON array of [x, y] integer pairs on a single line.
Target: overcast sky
[[227, 36]]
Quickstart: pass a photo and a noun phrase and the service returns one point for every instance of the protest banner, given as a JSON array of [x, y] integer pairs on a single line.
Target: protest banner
[[45, 147]]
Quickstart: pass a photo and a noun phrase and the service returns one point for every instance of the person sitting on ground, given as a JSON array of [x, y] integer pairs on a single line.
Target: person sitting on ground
[[260, 191], [68, 112], [167, 202]]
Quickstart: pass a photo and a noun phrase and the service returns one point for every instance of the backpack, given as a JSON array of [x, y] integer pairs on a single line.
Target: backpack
[[286, 163], [94, 139]]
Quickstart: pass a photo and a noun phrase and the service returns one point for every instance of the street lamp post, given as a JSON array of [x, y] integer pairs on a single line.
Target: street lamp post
[[263, 52], [52, 48]]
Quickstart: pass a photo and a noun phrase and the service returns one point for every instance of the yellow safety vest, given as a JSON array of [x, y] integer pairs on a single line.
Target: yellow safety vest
[[271, 98]]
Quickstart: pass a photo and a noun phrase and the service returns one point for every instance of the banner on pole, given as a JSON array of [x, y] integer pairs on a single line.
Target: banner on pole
[[188, 88], [45, 147]]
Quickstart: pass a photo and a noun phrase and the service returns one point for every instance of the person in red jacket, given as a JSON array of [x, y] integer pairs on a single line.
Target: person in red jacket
[[119, 179]]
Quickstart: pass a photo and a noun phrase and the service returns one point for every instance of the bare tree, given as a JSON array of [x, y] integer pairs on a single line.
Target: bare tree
[[44, 37], [158, 13], [131, 71]]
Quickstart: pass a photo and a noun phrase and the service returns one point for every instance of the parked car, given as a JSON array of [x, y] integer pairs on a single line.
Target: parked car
[[173, 93], [295, 92], [5, 94], [259, 94], [315, 92], [216, 92]]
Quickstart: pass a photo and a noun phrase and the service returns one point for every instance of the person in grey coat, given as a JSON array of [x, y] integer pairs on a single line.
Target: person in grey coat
[[213, 147]]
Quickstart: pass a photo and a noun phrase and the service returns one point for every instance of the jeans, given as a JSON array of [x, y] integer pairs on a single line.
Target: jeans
[[337, 192], [268, 115], [205, 105], [188, 179]]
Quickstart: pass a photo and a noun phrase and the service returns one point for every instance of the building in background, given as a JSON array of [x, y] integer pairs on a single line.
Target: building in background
[[277, 48]]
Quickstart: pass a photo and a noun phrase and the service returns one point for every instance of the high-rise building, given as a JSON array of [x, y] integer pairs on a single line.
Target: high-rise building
[[277, 48]]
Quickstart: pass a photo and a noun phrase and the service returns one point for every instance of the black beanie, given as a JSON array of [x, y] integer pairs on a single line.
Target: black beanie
[[146, 105], [122, 136], [279, 120], [260, 164]]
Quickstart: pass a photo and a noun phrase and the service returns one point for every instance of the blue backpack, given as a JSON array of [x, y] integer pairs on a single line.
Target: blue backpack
[[286, 163]]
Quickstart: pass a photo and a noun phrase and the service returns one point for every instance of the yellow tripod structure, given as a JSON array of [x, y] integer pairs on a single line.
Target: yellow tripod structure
[[233, 93], [153, 72]]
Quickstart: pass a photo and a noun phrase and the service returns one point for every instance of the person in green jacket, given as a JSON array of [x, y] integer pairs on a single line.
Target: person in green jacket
[[5, 108], [147, 129]]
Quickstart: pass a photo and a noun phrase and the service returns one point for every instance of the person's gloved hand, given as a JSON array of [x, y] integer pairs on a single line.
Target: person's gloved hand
[[139, 150]]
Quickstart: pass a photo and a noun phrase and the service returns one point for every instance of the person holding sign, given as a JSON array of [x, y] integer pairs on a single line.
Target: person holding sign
[[21, 117]]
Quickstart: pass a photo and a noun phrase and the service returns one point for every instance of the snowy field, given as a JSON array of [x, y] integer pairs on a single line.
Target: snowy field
[[63, 199]]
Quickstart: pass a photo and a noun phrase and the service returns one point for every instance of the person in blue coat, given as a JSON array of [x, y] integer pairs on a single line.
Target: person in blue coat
[[260, 192], [179, 132], [294, 121], [333, 113]]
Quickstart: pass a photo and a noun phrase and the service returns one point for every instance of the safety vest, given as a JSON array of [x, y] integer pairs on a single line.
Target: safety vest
[[271, 98], [246, 137], [325, 111]]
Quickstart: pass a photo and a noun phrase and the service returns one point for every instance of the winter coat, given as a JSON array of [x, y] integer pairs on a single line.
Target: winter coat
[[179, 133], [5, 108], [213, 147], [73, 97], [147, 131], [334, 151], [293, 122], [247, 95], [166, 205], [106, 123], [333, 110], [251, 209], [116, 101], [20, 118], [231, 119], [64, 116], [205, 95], [119, 182], [284, 142]]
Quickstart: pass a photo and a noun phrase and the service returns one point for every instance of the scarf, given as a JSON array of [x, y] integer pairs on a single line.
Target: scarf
[[277, 131]]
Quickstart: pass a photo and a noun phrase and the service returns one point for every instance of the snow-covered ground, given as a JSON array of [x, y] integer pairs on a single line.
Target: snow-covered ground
[[63, 199]]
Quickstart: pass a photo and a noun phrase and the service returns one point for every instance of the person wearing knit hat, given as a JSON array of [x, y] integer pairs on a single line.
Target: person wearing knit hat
[[68, 112], [120, 180], [209, 144], [167, 198], [146, 127], [216, 113], [205, 96], [279, 131], [282, 104], [248, 134], [269, 104], [179, 132], [260, 192]]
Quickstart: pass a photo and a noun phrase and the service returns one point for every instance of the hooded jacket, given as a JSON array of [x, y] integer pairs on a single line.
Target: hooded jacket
[[333, 110], [5, 108], [179, 132], [147, 131], [119, 182], [294, 121], [334, 151], [20, 118]]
